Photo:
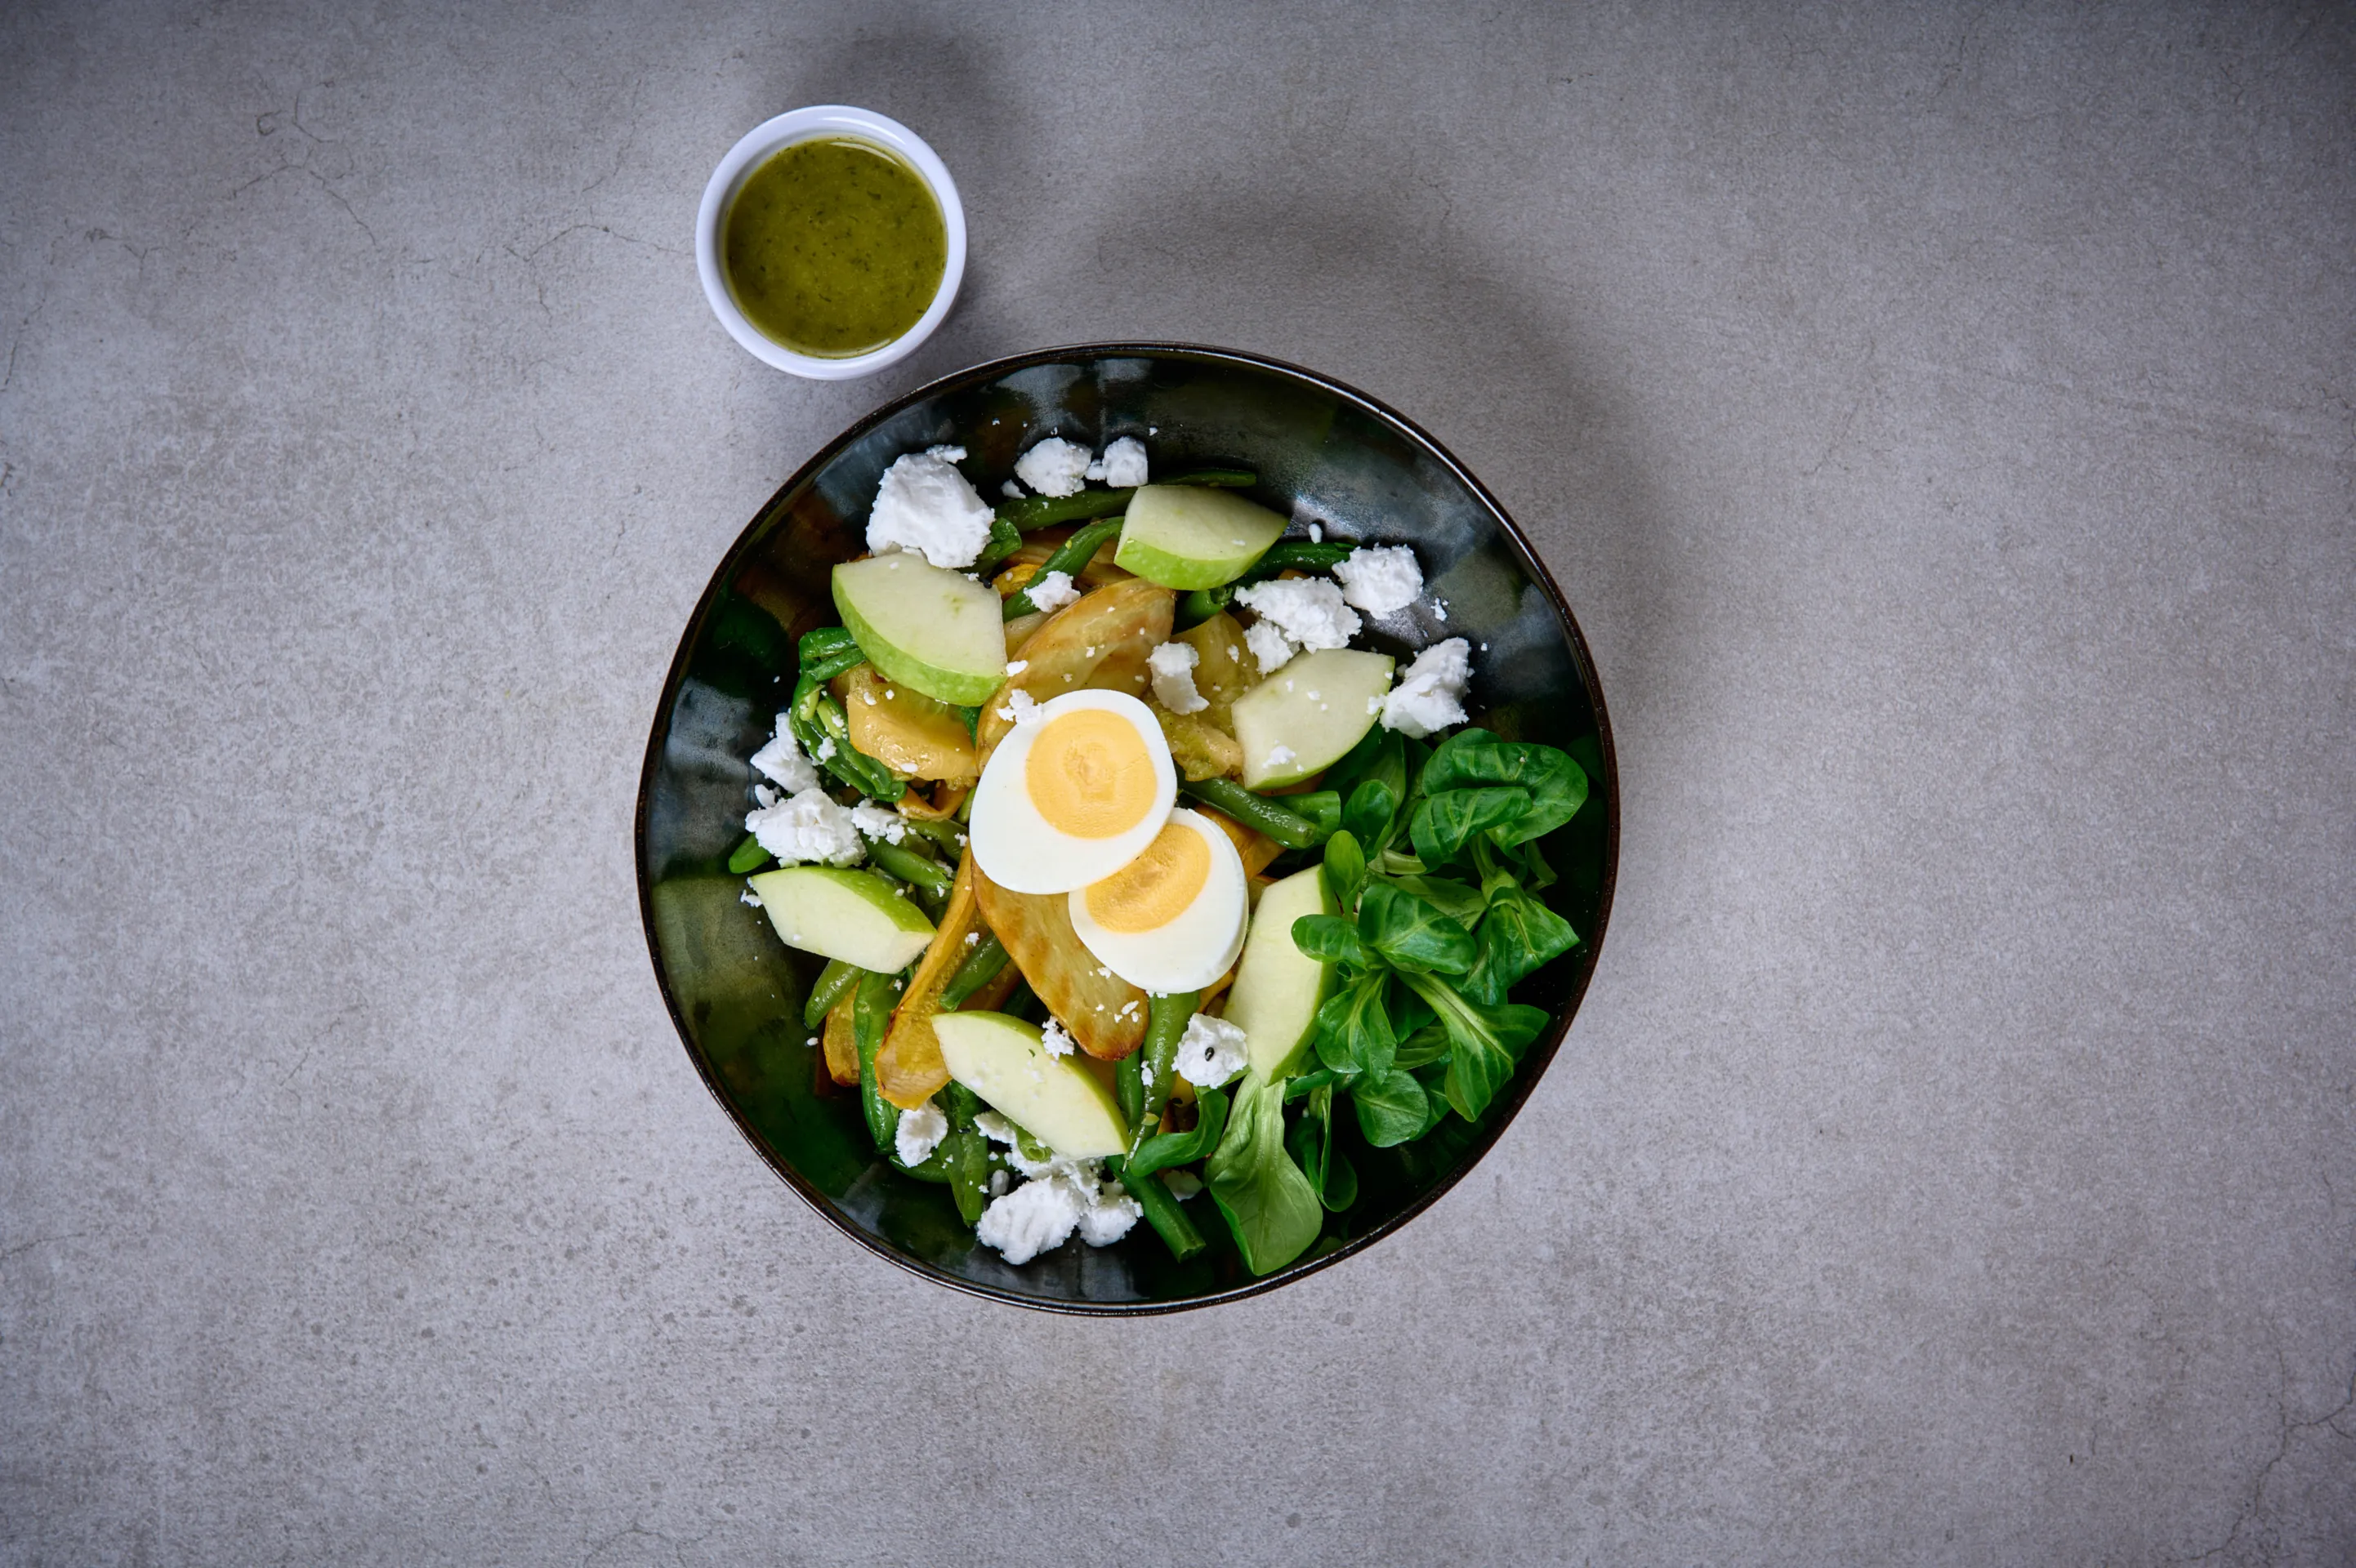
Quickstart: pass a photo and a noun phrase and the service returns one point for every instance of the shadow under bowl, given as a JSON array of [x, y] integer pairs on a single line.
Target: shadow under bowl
[[1323, 453]]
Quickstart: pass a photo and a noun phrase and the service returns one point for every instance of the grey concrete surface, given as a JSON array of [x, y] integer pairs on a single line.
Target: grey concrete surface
[[1941, 420]]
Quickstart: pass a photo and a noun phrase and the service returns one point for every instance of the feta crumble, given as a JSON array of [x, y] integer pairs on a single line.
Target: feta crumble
[[1020, 709], [927, 506], [783, 762], [1055, 467], [921, 1132], [1182, 1184], [1056, 1041], [1123, 462], [749, 897], [1380, 579], [879, 822], [1431, 696], [1010, 490], [764, 795], [1267, 646], [1173, 666], [1277, 756], [1307, 611], [809, 828], [1050, 590], [1211, 1052], [1060, 1197], [1016, 666]]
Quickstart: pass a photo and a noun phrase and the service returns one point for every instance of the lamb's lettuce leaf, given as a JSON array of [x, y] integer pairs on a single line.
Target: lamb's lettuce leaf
[[1268, 1203]]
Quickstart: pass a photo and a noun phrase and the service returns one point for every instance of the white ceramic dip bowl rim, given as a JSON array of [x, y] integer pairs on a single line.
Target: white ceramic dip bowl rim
[[803, 125]]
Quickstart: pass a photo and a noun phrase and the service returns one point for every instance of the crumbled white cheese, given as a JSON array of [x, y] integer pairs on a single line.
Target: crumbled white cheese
[[1010, 490], [1267, 646], [926, 505], [1431, 696], [1020, 709], [1055, 467], [749, 897], [1061, 1196], [879, 822], [994, 1127], [921, 1132], [1124, 462], [825, 748], [1439, 608], [1277, 756], [1016, 666], [764, 795], [1380, 579], [782, 761], [1173, 666], [1054, 1039], [1211, 1052], [1308, 610], [1316, 533], [808, 828], [1050, 590], [1182, 1184]]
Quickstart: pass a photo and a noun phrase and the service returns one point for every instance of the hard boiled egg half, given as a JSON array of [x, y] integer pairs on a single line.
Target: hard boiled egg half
[[1073, 794], [1172, 919]]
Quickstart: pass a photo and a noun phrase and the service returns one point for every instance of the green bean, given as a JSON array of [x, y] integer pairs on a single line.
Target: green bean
[[747, 855], [1254, 811], [980, 967], [818, 719], [942, 833], [1070, 558], [832, 981], [1165, 1022], [1163, 1213], [869, 1018], [967, 1154], [1005, 538], [925, 876], [828, 652]]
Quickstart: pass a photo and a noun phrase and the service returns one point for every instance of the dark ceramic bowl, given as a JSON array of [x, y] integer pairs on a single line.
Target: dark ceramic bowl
[[1321, 451]]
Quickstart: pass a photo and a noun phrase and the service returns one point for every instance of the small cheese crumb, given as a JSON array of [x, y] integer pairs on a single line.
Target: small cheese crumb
[[925, 505], [825, 748], [1277, 756], [1316, 533], [808, 828], [1431, 696], [764, 795], [972, 938], [1055, 467], [1379, 580], [1173, 666], [879, 822], [1020, 709], [1211, 1052], [921, 1132], [1010, 490], [1050, 590], [783, 761], [1267, 646], [1054, 1039], [1016, 666], [750, 897], [1124, 462], [1439, 608]]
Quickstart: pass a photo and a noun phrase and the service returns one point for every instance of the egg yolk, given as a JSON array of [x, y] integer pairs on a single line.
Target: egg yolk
[[1089, 774], [1154, 889]]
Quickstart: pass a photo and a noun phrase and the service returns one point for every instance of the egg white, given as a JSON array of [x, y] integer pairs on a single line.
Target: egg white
[[1020, 850], [1193, 947]]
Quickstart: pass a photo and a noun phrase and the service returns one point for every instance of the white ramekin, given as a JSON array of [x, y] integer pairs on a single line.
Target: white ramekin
[[801, 126]]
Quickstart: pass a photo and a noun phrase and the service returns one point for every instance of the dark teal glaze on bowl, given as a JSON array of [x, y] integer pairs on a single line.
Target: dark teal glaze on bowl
[[1321, 449]]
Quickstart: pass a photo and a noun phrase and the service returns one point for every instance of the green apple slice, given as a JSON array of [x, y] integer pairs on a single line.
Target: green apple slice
[[1307, 716], [855, 916], [936, 631], [1279, 988], [1188, 536], [1052, 1098]]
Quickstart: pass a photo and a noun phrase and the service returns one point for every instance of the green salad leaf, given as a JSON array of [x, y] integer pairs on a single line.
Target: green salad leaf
[[1353, 1030], [1472, 759], [1444, 824], [1345, 872], [1483, 1042], [1411, 933], [1268, 1203], [1516, 936], [1392, 1107]]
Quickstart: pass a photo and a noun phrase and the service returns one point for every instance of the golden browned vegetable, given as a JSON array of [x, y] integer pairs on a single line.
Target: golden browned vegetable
[[1104, 1012], [1226, 669], [1099, 641], [1024, 564], [908, 1065], [840, 1049], [1201, 749], [914, 735]]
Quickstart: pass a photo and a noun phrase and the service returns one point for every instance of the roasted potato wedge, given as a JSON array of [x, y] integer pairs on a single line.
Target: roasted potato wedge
[[1105, 1013], [1098, 641], [914, 735], [1226, 669], [908, 1065]]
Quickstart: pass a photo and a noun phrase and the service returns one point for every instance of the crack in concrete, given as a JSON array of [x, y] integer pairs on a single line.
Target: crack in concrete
[[2289, 1430]]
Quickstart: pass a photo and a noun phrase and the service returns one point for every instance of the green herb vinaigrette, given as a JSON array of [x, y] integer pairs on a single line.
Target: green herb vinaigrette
[[834, 247]]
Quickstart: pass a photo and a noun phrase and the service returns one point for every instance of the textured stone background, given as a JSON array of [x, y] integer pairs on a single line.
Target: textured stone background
[[1941, 420]]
